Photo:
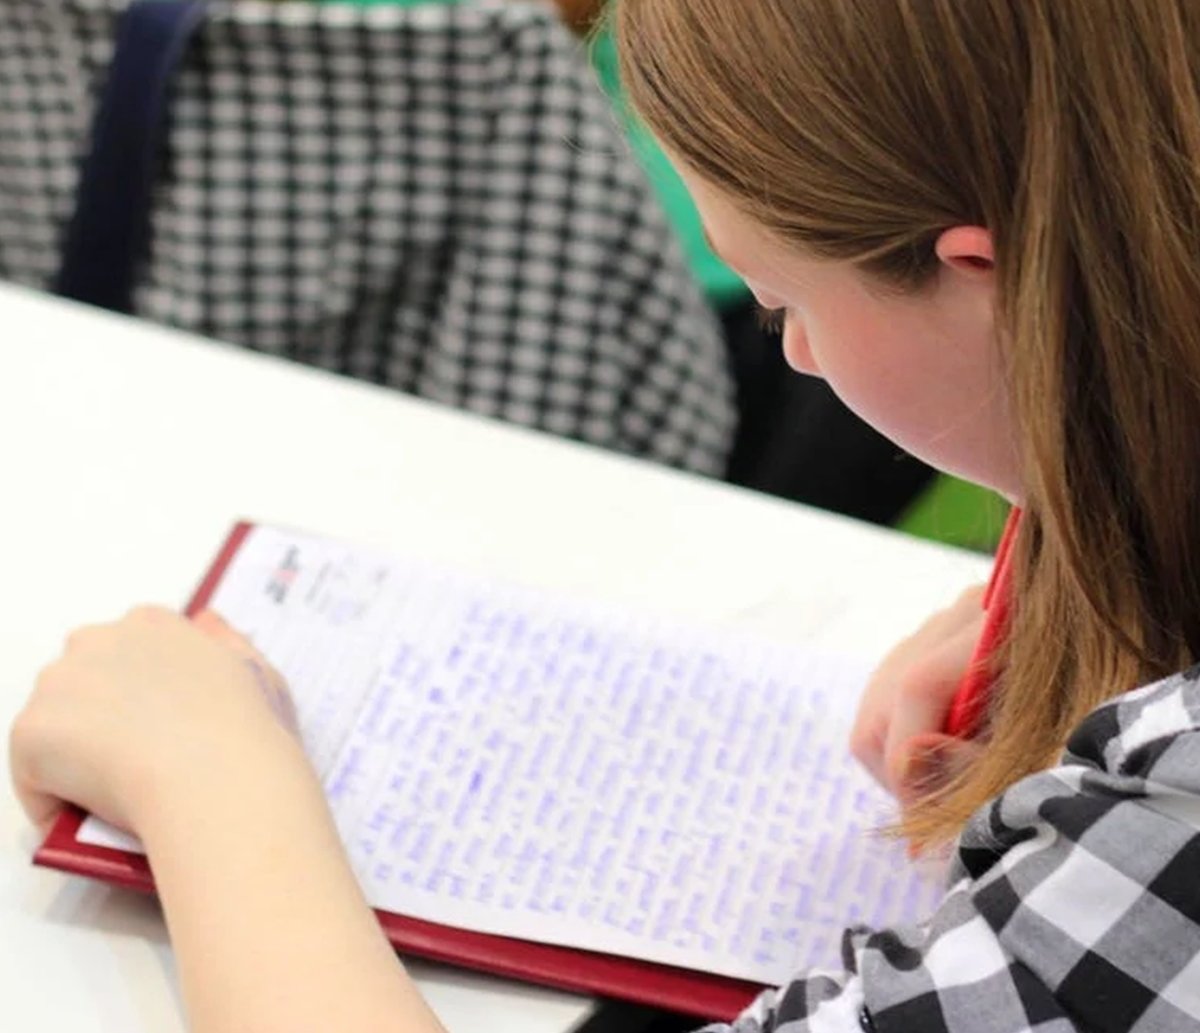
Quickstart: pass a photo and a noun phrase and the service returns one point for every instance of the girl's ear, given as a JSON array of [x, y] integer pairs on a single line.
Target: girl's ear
[[967, 249]]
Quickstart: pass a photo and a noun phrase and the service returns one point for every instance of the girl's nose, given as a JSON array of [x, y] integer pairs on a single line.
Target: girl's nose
[[795, 347]]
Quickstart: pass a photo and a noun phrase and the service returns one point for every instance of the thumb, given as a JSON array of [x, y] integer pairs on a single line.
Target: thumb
[[270, 682], [931, 759], [42, 809], [926, 691], [217, 628], [26, 749]]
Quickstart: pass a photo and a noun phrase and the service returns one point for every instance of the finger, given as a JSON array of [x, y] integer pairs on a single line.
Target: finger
[[152, 616], [924, 700], [216, 627], [971, 598], [42, 809], [868, 736], [87, 638], [274, 689], [934, 758], [270, 682], [965, 610], [877, 708]]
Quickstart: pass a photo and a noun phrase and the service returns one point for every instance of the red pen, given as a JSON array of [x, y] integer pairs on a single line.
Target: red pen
[[970, 699]]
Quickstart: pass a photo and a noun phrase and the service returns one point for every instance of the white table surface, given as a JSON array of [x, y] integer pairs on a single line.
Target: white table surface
[[128, 451]]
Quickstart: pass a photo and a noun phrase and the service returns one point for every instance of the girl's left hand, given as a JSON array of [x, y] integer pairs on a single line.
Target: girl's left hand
[[133, 710], [898, 734]]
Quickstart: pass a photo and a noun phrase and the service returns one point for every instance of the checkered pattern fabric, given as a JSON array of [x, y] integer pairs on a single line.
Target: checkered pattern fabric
[[1074, 901], [434, 198]]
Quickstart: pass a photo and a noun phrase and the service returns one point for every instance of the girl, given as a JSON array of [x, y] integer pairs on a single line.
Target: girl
[[793, 436], [980, 220]]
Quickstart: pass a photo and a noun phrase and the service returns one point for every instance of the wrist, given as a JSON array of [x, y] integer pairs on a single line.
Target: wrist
[[195, 794], [268, 921]]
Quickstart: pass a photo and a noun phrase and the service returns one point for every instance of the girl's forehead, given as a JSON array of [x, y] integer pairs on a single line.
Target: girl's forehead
[[732, 234]]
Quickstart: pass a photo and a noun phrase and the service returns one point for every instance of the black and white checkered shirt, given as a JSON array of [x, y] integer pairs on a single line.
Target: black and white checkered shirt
[[1074, 901], [434, 198]]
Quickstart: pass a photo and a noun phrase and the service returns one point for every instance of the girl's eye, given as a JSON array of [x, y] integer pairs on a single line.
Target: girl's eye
[[771, 320]]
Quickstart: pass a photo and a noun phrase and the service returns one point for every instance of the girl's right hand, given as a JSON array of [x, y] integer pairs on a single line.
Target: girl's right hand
[[903, 710], [135, 709]]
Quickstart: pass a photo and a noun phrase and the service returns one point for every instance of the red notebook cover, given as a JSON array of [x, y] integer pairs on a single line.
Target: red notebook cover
[[700, 994]]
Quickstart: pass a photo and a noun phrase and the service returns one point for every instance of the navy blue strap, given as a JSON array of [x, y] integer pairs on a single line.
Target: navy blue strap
[[109, 231]]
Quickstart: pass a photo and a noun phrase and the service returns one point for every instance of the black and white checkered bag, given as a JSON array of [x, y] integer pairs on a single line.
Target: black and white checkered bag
[[433, 198]]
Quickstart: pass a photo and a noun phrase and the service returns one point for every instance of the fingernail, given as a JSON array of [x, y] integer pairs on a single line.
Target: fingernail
[[924, 772], [278, 699]]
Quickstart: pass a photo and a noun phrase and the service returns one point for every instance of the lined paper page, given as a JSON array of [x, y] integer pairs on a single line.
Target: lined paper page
[[514, 762]]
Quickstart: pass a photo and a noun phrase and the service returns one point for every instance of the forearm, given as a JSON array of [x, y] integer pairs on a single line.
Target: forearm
[[268, 923]]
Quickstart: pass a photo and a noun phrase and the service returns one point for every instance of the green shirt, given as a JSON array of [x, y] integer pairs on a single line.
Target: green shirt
[[723, 286]]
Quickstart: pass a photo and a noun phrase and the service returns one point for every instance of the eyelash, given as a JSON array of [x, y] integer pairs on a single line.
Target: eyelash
[[771, 320]]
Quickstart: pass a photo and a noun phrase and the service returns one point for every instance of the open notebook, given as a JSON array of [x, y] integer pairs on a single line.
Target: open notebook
[[554, 789]]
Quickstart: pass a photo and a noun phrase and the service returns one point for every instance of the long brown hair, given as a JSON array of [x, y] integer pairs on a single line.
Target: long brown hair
[[859, 130]]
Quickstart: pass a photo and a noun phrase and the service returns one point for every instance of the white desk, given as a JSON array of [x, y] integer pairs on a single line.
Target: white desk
[[128, 450]]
